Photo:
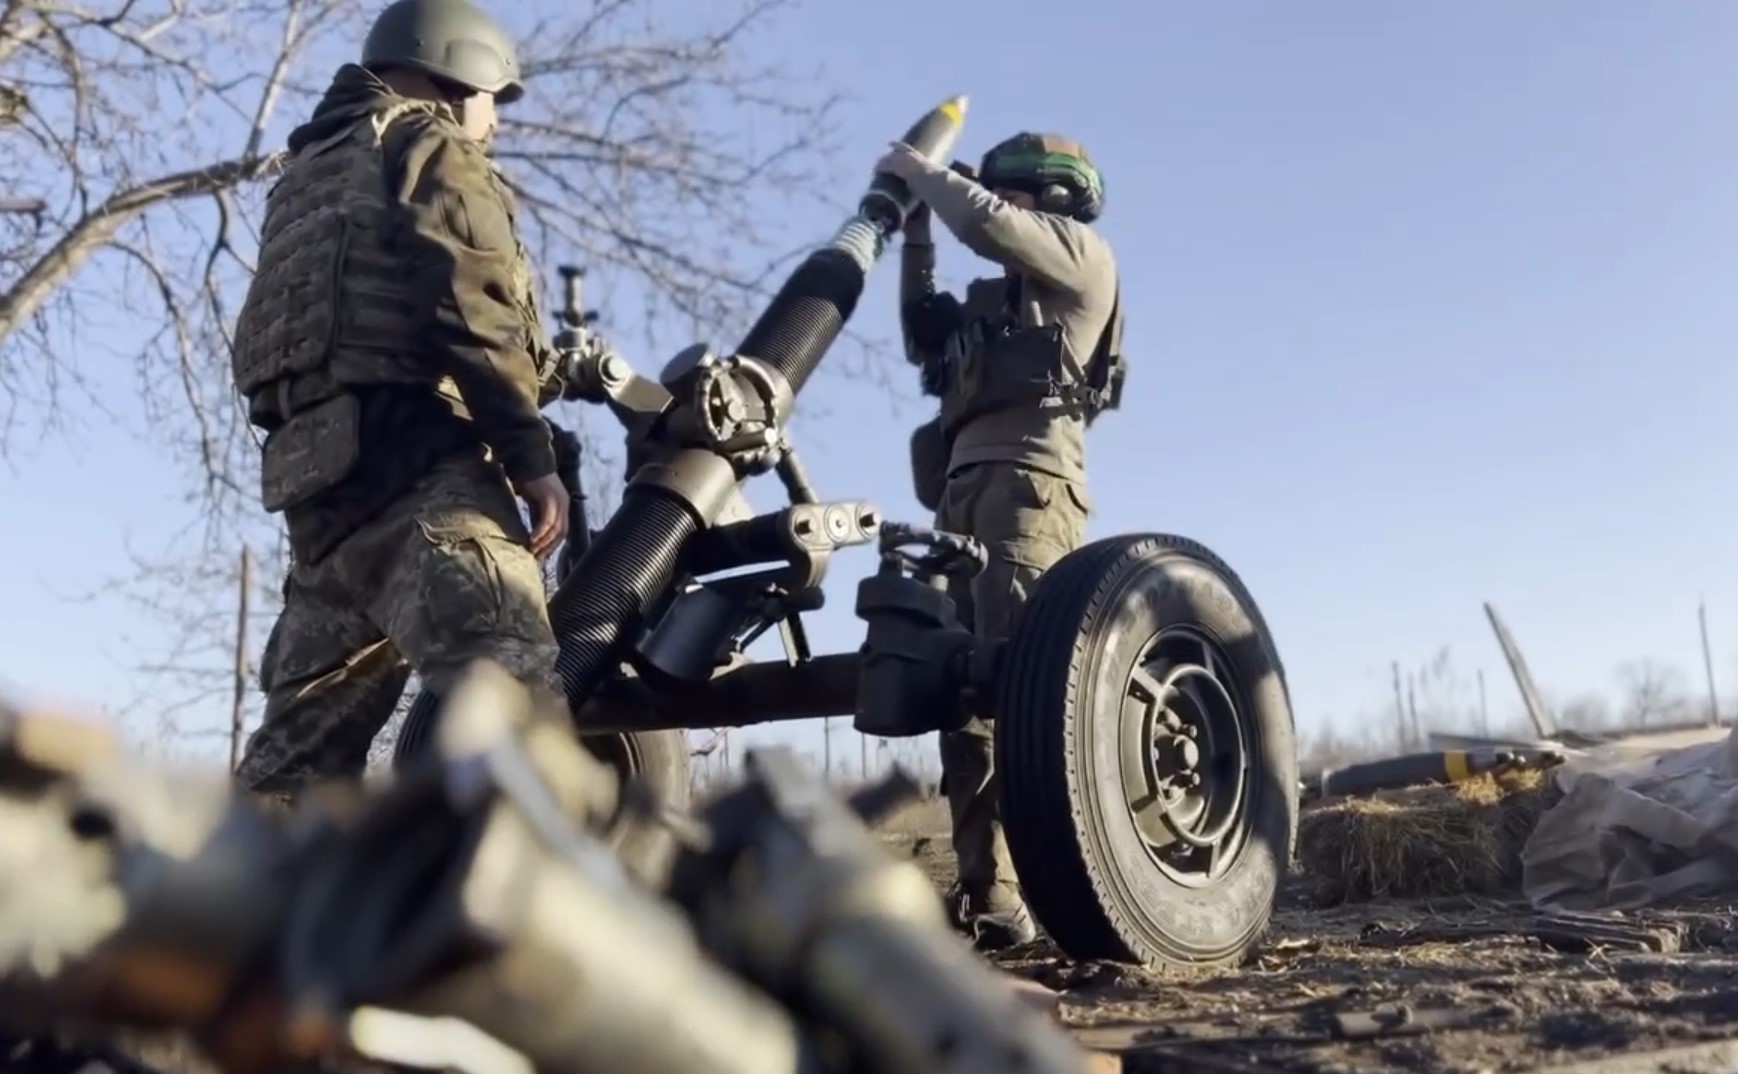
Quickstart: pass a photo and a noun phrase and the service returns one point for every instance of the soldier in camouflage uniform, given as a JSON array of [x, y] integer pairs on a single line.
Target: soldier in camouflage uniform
[[391, 350], [1022, 365]]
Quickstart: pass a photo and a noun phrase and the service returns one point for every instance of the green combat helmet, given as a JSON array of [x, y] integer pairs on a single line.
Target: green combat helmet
[[450, 39], [1056, 171]]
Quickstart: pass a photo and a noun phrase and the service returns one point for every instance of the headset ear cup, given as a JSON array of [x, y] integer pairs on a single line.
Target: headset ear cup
[[1056, 198]]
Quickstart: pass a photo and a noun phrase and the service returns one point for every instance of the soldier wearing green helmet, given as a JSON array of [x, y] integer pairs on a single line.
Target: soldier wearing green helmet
[[1022, 365], [391, 350]]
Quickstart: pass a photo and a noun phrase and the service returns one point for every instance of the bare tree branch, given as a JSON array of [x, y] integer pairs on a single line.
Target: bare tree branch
[[622, 152], [1654, 693], [98, 228], [651, 147]]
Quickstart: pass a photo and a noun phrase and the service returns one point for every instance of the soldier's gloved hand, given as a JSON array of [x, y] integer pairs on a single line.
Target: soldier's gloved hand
[[932, 378], [903, 162], [567, 451], [548, 500]]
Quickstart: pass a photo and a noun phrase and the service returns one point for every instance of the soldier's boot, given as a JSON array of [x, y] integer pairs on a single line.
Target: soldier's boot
[[994, 922], [985, 903]]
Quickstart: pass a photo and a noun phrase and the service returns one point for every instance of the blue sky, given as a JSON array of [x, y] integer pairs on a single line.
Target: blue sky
[[1428, 304]]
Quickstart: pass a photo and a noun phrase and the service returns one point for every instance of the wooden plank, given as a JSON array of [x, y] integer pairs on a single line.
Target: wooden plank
[[1404, 1020]]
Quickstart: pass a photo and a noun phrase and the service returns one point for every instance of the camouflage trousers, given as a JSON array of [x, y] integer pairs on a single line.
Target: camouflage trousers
[[443, 577], [1027, 520]]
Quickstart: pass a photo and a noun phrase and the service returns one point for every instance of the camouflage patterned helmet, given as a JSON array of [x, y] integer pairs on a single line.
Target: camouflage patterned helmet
[[453, 40], [1039, 164]]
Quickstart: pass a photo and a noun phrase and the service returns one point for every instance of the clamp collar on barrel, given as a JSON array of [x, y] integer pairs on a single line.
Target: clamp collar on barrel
[[740, 403]]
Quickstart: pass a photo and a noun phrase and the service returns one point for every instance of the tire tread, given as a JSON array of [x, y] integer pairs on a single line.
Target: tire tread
[[1072, 895]]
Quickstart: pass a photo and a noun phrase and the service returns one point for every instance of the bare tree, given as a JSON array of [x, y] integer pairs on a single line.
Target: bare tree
[[139, 133], [1335, 744], [134, 135], [1586, 712], [1447, 699], [182, 653], [1654, 693], [123, 123]]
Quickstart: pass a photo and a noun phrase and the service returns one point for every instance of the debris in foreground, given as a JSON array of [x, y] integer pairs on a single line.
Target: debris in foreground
[[471, 893]]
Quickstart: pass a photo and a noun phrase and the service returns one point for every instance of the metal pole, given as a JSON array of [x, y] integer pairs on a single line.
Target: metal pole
[[1544, 722], [1400, 711], [1412, 708], [1708, 665], [827, 748]]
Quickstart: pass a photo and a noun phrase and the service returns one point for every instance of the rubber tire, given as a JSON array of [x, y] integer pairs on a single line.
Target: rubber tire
[[659, 759], [1085, 872]]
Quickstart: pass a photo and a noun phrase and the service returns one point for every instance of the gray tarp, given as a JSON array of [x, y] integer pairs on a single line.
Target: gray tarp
[[1644, 822]]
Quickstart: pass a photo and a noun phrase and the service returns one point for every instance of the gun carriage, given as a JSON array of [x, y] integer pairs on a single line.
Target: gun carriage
[[1144, 734]]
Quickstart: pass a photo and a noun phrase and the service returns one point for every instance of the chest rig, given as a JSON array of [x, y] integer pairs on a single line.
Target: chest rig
[[1001, 357], [525, 294], [331, 309]]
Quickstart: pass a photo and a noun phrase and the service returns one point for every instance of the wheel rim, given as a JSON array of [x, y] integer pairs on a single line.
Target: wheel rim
[[1187, 756], [623, 754], [620, 752]]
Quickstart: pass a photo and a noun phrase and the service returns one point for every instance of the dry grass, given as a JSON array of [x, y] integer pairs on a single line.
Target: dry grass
[[1424, 842]]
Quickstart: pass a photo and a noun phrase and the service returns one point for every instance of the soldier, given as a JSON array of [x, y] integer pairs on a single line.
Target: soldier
[[390, 348], [1022, 366]]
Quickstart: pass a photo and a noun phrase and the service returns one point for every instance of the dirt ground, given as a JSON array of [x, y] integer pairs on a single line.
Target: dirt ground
[[1497, 989], [1451, 986]]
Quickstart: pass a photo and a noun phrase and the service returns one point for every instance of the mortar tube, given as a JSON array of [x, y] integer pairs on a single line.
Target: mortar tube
[[809, 312], [635, 559]]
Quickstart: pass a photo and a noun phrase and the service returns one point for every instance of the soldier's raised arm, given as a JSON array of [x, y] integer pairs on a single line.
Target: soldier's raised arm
[[926, 316], [465, 254], [1061, 252]]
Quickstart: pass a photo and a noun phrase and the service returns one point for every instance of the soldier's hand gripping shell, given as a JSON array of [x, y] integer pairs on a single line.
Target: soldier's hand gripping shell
[[902, 162]]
